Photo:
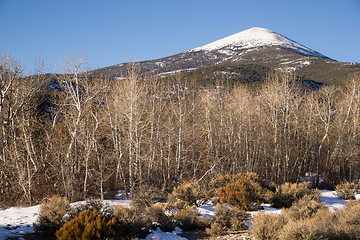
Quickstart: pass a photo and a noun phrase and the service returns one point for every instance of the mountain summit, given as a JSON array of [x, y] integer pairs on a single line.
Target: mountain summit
[[254, 38], [255, 46]]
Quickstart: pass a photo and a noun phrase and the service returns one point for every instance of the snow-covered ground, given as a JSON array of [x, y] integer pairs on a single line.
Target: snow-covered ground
[[15, 222], [160, 235]]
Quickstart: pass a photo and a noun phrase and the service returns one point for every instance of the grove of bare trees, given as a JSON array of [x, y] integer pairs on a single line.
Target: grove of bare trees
[[90, 136]]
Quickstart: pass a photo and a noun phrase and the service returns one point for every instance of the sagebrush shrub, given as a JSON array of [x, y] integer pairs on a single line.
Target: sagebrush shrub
[[286, 194], [304, 208], [212, 197], [145, 197], [227, 218], [189, 219], [348, 221], [90, 204], [267, 226], [245, 192], [299, 230], [156, 214], [133, 217], [347, 190], [223, 180], [325, 223], [90, 224], [52, 212], [309, 219], [185, 194]]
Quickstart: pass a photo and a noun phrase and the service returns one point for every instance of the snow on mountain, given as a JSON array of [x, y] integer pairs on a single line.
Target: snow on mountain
[[253, 38], [258, 46]]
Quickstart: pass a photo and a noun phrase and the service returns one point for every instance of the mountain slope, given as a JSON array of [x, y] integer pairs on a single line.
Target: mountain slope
[[258, 46]]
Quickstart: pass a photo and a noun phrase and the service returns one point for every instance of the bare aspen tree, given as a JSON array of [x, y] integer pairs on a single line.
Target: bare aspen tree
[[179, 108], [16, 146], [237, 107], [348, 129], [115, 111], [156, 105], [325, 111], [194, 128], [10, 74], [220, 111], [76, 97], [207, 99], [133, 93]]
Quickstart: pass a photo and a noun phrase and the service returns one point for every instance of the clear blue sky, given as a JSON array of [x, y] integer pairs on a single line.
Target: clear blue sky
[[110, 32]]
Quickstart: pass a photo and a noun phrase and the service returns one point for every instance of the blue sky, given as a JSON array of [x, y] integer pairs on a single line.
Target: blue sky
[[110, 32]]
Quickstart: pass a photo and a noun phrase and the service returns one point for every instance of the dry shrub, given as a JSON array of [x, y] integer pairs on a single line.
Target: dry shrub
[[223, 180], [185, 194], [324, 222], [145, 197], [299, 230], [211, 197], [245, 192], [156, 215], [90, 224], [267, 226], [348, 221], [136, 221], [90, 204], [347, 190], [133, 217], [178, 203], [217, 229], [52, 212], [189, 219], [227, 218], [304, 208], [309, 219], [286, 194]]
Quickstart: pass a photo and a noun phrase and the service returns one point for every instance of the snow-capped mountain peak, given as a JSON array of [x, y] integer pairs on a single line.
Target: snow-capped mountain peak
[[253, 38], [256, 45]]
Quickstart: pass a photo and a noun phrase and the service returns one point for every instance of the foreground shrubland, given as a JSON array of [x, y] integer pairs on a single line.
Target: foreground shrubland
[[309, 219], [234, 195], [95, 220]]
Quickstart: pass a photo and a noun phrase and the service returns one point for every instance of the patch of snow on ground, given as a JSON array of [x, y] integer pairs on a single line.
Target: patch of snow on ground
[[14, 222], [121, 195], [266, 208], [207, 210], [357, 196], [113, 203], [160, 235], [332, 200]]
